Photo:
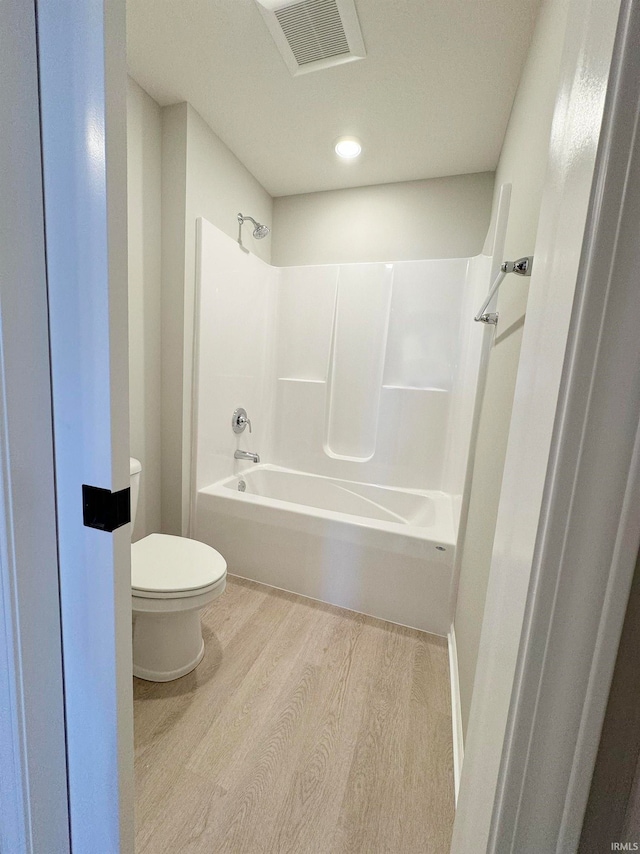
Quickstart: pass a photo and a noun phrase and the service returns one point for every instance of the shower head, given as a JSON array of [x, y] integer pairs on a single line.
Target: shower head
[[259, 230]]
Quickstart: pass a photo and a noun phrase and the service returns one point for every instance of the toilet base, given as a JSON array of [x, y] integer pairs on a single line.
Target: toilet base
[[156, 676], [166, 646]]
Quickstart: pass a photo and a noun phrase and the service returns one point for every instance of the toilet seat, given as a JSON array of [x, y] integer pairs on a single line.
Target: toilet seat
[[164, 566]]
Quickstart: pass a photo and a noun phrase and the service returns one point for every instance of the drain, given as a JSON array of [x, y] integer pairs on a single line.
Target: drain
[[441, 548], [242, 486]]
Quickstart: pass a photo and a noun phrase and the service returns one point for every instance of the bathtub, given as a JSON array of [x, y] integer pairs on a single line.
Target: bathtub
[[384, 552]]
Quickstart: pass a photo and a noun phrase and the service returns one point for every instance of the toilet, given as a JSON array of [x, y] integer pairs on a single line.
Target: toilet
[[172, 580]]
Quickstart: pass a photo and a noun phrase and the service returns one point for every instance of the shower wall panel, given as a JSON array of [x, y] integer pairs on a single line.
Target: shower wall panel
[[235, 309], [412, 428], [358, 351], [305, 309], [375, 405], [365, 372], [470, 337], [423, 345]]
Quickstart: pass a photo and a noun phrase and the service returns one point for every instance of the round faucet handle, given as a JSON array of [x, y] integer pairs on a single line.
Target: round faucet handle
[[240, 420]]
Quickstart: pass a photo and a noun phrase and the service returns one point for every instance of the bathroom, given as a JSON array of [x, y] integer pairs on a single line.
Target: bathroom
[[313, 403]]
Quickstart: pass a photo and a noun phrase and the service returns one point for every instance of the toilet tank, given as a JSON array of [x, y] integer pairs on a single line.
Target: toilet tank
[[134, 471]]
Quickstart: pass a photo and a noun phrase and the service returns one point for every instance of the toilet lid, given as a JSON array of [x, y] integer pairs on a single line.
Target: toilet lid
[[162, 564]]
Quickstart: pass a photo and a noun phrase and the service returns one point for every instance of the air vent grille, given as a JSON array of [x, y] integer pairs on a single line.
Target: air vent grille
[[314, 34], [313, 29]]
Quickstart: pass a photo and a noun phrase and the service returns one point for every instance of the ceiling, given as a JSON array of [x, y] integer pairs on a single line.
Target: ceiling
[[432, 97]]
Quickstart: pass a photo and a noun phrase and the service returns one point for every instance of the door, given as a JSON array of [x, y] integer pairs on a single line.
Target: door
[[82, 75]]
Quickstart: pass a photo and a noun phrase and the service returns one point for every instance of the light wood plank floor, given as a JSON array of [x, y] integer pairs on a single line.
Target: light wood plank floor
[[306, 729]]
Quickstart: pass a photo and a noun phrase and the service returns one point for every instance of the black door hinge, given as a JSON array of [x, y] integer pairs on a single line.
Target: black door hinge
[[104, 509]]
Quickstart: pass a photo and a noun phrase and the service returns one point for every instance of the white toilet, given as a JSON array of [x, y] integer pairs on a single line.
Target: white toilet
[[172, 580]]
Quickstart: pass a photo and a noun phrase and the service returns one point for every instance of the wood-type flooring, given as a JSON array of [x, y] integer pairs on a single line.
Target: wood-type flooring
[[306, 729]]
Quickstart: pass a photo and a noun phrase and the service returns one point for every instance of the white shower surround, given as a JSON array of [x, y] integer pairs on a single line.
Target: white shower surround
[[351, 374]]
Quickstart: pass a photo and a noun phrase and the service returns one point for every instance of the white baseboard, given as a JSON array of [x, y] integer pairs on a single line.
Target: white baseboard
[[456, 712]]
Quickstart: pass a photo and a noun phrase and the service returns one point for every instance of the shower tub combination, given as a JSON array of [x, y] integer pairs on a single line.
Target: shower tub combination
[[359, 381]]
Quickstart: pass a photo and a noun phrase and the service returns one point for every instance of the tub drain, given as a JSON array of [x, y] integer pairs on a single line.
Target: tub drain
[[242, 486]]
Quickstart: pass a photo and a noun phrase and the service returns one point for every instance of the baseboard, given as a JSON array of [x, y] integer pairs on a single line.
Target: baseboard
[[456, 712]]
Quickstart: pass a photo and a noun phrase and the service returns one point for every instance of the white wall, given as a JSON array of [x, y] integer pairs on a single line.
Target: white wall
[[523, 163], [201, 178], [218, 188], [436, 218], [144, 137], [174, 192]]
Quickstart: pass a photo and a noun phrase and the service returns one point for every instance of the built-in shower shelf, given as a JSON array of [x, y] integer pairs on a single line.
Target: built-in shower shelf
[[299, 380], [393, 387], [416, 388]]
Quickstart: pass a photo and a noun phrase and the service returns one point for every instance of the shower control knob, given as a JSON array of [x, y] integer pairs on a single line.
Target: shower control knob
[[239, 420]]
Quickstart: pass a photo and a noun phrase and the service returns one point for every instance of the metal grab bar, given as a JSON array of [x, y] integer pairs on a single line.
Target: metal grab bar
[[481, 317], [522, 267]]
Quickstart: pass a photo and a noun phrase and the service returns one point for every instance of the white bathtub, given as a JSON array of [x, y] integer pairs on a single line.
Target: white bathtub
[[381, 551]]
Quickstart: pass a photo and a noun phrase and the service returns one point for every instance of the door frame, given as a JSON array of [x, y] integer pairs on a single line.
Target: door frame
[[566, 537], [33, 782], [589, 530]]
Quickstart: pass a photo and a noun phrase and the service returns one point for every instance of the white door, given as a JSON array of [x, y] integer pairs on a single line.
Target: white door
[[82, 70]]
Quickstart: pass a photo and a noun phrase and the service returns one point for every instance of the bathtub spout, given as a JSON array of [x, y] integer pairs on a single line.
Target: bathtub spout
[[247, 455]]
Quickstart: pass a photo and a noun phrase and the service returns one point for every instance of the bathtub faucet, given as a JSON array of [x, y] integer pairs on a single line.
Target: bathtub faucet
[[247, 455]]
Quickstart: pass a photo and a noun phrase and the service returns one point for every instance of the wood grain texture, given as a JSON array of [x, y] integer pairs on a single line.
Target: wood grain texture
[[306, 729]]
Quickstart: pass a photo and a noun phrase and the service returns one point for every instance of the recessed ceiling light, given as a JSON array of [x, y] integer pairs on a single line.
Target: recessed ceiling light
[[348, 147]]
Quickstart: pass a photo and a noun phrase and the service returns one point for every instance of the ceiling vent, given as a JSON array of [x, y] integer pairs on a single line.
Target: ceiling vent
[[314, 34]]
